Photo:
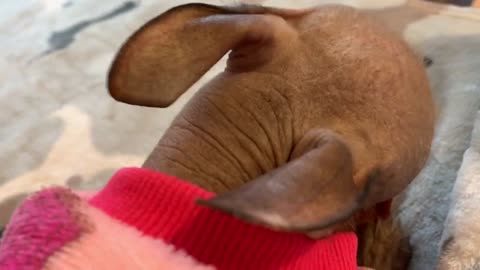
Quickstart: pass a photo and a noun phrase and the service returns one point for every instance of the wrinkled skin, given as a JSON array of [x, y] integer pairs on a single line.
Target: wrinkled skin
[[320, 116]]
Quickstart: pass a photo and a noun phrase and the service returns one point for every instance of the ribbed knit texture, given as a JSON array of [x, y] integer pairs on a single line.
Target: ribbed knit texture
[[163, 207], [55, 229], [42, 225]]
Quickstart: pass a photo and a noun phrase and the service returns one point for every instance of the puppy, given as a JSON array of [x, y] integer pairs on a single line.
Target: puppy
[[319, 118]]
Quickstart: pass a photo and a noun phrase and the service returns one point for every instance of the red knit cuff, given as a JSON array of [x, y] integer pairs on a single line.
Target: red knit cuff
[[163, 206]]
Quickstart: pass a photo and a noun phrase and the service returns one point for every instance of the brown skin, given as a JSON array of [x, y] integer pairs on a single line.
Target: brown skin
[[383, 245], [320, 115]]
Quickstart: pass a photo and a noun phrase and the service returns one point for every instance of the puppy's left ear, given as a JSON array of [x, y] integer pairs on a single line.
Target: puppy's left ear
[[315, 190], [167, 55]]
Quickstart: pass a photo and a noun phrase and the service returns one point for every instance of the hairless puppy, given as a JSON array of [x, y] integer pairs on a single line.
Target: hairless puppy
[[320, 115]]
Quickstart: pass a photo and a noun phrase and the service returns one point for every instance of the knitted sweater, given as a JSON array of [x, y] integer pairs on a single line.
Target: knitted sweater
[[141, 219]]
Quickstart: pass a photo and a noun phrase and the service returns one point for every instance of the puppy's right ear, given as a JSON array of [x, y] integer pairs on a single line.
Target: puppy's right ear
[[170, 53]]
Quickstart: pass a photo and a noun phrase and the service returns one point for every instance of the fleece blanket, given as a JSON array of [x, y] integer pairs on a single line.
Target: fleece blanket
[[59, 126]]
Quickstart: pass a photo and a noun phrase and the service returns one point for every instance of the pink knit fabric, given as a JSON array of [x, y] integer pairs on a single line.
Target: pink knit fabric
[[163, 207], [136, 221], [41, 225]]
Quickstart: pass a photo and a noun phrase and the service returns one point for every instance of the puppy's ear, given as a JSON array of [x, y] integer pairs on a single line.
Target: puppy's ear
[[170, 53], [315, 190]]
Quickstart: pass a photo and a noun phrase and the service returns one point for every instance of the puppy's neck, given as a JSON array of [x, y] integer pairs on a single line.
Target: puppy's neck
[[228, 134], [210, 175]]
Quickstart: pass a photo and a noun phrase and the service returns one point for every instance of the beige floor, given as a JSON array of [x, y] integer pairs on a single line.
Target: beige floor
[[58, 126]]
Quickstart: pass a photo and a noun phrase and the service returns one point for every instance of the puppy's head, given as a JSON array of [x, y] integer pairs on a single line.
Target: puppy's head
[[168, 54]]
